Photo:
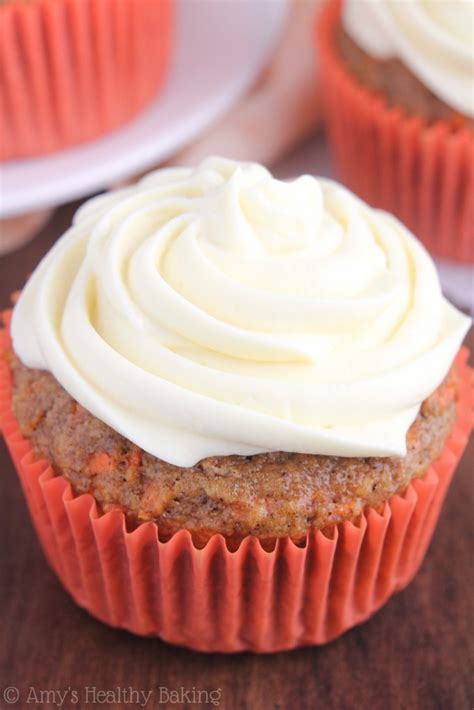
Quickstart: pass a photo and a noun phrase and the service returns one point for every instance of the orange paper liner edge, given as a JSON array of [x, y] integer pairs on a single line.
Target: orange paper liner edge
[[212, 599], [422, 174], [74, 70]]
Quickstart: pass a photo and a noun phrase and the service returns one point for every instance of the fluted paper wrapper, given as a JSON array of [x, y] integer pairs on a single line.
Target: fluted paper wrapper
[[212, 599], [73, 70], [422, 174]]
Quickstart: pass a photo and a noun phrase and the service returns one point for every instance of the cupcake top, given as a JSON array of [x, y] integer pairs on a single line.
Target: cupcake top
[[433, 38], [217, 311]]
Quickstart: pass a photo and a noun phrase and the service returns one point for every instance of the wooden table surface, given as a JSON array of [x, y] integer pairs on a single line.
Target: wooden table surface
[[417, 652]]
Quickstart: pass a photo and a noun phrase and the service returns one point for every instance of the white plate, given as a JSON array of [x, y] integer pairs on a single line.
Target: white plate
[[219, 49]]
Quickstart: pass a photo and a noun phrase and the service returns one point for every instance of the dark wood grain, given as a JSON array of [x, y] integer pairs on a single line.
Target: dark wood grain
[[416, 653]]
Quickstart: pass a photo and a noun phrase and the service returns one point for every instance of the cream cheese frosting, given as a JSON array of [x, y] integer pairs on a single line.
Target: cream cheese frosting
[[433, 38], [217, 311]]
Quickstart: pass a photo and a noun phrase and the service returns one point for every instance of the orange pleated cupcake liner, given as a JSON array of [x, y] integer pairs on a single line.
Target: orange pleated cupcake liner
[[214, 599], [423, 174], [73, 70]]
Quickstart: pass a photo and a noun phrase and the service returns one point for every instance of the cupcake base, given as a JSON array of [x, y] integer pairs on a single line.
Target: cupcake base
[[75, 70], [214, 599]]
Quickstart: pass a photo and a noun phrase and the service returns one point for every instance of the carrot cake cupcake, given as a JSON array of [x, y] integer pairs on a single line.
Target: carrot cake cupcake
[[419, 56], [216, 354], [398, 84]]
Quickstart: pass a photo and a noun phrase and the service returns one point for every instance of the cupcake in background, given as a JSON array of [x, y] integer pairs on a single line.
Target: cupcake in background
[[398, 84], [73, 70]]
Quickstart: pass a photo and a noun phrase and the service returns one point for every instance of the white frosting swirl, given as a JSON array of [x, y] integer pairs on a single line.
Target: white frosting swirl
[[219, 311], [434, 38]]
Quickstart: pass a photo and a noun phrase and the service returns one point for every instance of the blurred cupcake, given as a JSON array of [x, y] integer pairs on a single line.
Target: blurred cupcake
[[73, 70], [235, 405], [398, 86]]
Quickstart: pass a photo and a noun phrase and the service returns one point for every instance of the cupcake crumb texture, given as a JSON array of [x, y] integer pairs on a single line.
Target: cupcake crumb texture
[[268, 495], [397, 84]]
